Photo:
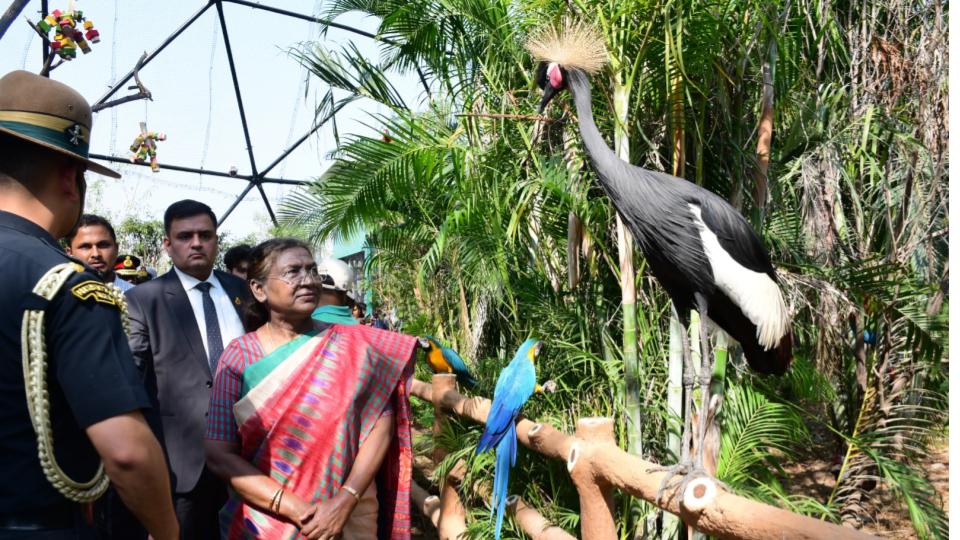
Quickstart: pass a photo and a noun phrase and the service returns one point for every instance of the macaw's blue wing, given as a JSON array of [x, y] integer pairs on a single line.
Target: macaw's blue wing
[[514, 387], [459, 367]]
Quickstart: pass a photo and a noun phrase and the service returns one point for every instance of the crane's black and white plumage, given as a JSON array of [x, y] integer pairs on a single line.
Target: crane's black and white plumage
[[701, 250]]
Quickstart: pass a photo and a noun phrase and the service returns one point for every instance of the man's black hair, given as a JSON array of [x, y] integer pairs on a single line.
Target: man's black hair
[[91, 220], [235, 255], [186, 208]]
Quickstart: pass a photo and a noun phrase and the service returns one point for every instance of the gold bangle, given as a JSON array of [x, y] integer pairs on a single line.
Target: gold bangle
[[275, 500], [351, 491]]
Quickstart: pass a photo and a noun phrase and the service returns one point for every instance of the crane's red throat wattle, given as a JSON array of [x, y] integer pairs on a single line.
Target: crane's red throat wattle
[[555, 76]]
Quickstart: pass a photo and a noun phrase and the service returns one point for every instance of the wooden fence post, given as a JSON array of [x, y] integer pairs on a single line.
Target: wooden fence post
[[596, 495], [533, 523], [452, 522], [715, 512], [429, 505]]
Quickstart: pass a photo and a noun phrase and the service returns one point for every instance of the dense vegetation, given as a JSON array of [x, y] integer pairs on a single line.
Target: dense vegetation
[[824, 122]]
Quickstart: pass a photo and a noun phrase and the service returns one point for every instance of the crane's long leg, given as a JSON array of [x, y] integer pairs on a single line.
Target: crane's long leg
[[706, 372], [687, 380]]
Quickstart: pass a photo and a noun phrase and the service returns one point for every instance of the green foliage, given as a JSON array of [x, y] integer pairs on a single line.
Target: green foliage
[[143, 238], [468, 205], [755, 431]]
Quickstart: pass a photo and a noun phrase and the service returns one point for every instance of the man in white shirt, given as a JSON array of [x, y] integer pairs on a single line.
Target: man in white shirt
[[179, 325], [94, 242]]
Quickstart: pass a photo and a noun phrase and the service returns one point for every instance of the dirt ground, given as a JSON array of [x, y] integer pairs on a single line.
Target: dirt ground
[[894, 522], [815, 478]]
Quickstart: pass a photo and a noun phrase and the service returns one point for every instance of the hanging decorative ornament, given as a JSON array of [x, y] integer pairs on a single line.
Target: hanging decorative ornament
[[144, 147], [71, 30]]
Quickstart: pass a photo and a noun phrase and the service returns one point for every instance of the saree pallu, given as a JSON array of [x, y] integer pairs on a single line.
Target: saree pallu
[[304, 412]]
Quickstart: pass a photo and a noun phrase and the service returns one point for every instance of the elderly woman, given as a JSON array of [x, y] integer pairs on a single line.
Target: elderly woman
[[309, 425]]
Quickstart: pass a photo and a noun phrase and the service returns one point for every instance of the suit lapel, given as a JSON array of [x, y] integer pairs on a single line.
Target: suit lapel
[[182, 313]]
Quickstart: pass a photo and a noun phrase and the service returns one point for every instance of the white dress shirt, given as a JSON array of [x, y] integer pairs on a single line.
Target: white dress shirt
[[123, 285], [230, 325]]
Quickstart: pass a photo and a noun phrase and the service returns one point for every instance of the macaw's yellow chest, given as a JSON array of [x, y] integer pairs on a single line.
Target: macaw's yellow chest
[[437, 362]]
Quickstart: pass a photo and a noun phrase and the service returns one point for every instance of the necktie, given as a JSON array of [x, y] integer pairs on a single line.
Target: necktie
[[214, 341]]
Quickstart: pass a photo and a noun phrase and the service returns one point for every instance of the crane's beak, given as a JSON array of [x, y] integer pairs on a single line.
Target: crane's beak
[[548, 93]]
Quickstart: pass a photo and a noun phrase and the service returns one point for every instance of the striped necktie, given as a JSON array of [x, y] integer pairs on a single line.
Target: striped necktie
[[214, 340]]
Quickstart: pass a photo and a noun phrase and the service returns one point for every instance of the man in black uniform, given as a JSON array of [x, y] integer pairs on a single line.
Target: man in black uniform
[[93, 394]]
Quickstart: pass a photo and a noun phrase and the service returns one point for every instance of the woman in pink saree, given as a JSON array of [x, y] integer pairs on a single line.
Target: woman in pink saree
[[310, 426]]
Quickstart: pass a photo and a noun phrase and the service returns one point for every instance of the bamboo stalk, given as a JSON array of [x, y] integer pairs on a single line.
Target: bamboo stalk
[[706, 508]]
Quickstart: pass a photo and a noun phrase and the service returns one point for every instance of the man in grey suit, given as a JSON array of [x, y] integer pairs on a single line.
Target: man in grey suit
[[179, 325]]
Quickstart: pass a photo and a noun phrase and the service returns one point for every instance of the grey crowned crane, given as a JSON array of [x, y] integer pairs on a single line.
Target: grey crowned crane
[[701, 250]]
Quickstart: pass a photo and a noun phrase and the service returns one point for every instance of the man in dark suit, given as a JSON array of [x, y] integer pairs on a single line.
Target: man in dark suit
[[179, 325]]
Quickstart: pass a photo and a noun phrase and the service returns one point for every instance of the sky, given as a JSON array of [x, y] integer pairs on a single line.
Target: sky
[[194, 101]]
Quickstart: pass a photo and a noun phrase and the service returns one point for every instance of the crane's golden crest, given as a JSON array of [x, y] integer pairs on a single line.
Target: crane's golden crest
[[575, 45]]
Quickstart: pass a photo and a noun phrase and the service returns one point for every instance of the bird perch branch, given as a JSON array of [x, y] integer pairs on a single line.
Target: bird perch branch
[[143, 92], [532, 117], [593, 458]]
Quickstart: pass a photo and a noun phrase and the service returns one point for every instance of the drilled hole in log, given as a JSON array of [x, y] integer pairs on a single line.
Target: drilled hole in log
[[573, 456], [534, 429], [699, 493]]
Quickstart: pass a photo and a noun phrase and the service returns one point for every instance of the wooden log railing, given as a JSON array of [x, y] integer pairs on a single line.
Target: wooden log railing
[[598, 467]]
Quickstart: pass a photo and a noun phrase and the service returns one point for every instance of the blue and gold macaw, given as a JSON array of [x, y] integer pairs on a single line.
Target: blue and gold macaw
[[517, 382], [446, 360]]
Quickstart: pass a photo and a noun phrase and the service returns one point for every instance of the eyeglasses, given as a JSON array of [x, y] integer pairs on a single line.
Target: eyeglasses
[[296, 277]]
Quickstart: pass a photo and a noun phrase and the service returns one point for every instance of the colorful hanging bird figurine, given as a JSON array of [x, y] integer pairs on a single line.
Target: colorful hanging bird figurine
[[145, 147], [70, 32], [517, 382], [446, 360]]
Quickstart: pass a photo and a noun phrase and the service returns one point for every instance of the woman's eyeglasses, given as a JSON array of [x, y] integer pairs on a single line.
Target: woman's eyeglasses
[[296, 277]]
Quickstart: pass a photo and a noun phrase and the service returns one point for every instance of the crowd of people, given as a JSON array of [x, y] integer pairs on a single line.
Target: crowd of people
[[255, 402]]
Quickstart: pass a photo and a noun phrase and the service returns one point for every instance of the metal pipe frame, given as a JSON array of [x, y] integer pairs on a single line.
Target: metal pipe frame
[[119, 84], [257, 178], [181, 168], [243, 114], [10, 15], [45, 42]]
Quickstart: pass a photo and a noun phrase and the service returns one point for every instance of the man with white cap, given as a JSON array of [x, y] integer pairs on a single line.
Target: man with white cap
[[336, 280]]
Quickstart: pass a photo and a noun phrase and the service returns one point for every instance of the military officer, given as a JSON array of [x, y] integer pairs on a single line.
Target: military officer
[[81, 404]]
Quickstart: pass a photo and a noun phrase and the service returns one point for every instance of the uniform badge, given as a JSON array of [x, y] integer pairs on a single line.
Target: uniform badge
[[75, 134], [236, 300], [94, 290]]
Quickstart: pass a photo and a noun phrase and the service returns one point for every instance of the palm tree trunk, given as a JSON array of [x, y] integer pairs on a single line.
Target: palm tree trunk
[[765, 132]]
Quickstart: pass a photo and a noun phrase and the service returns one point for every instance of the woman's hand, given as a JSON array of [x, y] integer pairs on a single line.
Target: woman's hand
[[325, 520], [292, 507]]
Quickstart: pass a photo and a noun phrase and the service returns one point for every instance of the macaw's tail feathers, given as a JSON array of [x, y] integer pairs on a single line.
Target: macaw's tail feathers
[[506, 458]]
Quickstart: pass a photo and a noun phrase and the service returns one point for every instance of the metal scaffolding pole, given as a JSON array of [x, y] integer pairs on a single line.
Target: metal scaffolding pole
[[119, 84], [181, 168]]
